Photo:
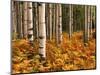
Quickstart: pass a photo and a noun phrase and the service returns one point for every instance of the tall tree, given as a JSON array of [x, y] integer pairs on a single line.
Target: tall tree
[[70, 20], [50, 21], [42, 31], [59, 23], [25, 20], [19, 19], [56, 21], [30, 22], [53, 21], [36, 21], [88, 19], [85, 25], [47, 20], [19, 26], [14, 23], [91, 10]]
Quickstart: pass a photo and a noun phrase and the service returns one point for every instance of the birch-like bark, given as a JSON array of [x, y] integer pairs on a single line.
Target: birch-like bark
[[70, 20], [53, 20], [95, 17], [85, 26], [47, 20], [36, 21], [14, 24], [25, 29], [60, 23], [20, 21], [91, 8], [50, 21], [42, 31], [88, 26], [30, 22], [56, 14]]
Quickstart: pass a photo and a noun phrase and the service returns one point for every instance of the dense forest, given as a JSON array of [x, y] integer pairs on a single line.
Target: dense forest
[[49, 37]]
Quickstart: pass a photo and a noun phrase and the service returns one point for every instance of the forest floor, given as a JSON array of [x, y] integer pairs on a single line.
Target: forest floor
[[70, 55]]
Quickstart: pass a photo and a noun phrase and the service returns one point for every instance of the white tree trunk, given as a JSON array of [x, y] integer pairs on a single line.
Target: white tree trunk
[[14, 24], [60, 23], [47, 21], [36, 21], [30, 22], [21, 26], [50, 21], [25, 19], [88, 26], [70, 20], [91, 20], [85, 26], [42, 31], [56, 18], [53, 19]]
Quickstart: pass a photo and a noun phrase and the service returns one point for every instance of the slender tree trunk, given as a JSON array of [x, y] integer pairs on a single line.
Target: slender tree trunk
[[20, 20], [94, 17], [50, 21], [30, 22], [56, 9], [53, 20], [14, 24], [70, 20], [36, 21], [85, 26], [34, 18], [60, 23], [42, 31], [47, 20], [91, 8], [88, 26], [25, 19]]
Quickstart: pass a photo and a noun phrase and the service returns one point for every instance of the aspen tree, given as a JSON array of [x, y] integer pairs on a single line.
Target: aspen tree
[[85, 26], [47, 20], [14, 24], [56, 14], [25, 19], [59, 23], [70, 20], [42, 31], [50, 21], [18, 19], [88, 26], [91, 8], [36, 21], [30, 22]]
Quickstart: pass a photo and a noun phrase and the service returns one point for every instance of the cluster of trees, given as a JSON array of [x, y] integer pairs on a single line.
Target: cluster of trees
[[34, 20]]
